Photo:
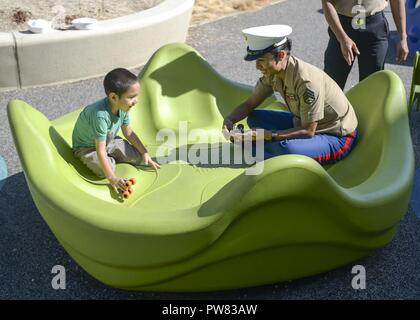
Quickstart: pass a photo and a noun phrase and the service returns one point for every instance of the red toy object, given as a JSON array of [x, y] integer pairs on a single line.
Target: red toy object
[[127, 192], [130, 182]]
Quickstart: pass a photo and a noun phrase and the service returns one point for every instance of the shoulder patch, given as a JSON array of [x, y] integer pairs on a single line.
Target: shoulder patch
[[309, 96]]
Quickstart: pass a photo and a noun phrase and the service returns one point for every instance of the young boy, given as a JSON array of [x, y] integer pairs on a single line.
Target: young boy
[[94, 136]]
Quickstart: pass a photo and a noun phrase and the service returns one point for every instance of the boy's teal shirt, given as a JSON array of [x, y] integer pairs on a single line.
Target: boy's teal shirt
[[97, 122]]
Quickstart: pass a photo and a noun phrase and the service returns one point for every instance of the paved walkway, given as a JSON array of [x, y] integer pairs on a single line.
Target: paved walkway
[[29, 250]]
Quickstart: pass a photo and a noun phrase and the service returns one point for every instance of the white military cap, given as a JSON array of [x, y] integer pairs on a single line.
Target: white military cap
[[264, 39]]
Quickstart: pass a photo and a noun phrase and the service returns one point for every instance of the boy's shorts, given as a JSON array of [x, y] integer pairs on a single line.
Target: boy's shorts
[[118, 150]]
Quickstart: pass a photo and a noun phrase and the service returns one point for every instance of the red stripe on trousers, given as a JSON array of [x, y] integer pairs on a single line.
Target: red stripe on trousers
[[338, 153]]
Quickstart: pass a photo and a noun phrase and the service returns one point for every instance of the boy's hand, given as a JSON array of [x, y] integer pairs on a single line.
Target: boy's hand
[[148, 160], [117, 183]]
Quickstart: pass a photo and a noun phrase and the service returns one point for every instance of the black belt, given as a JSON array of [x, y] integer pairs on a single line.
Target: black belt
[[371, 18]]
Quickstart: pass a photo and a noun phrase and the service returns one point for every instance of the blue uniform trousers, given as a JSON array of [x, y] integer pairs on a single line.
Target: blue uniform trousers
[[324, 148]]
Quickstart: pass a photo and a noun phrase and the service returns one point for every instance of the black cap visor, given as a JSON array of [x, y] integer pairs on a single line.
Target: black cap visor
[[256, 54]]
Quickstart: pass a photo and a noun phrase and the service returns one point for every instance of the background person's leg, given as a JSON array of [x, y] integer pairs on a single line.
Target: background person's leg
[[334, 63], [374, 47]]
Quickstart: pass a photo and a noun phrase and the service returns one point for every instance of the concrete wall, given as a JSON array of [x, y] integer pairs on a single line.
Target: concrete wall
[[39, 59], [9, 75]]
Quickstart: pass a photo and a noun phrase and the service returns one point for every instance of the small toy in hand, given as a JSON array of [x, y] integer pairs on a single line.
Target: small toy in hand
[[237, 129], [129, 190]]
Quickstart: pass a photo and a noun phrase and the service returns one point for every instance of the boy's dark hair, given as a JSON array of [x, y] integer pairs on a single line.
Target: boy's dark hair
[[118, 81], [287, 46]]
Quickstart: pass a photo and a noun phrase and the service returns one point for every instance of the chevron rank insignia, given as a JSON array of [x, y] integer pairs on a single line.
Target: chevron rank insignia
[[309, 96]]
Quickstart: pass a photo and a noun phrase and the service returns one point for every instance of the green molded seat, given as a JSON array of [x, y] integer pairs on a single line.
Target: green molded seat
[[197, 227], [415, 83]]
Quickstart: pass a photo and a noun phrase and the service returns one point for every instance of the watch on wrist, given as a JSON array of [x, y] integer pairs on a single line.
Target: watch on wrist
[[274, 135]]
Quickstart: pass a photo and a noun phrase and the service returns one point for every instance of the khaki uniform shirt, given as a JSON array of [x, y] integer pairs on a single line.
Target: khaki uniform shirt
[[311, 95], [351, 8]]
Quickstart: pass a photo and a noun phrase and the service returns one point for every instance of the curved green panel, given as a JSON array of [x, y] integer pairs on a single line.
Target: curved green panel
[[194, 227], [415, 83]]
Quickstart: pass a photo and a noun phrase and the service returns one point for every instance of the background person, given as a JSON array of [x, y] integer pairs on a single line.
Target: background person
[[359, 28]]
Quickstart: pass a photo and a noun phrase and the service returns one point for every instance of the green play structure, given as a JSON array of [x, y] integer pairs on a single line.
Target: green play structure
[[211, 227], [415, 83]]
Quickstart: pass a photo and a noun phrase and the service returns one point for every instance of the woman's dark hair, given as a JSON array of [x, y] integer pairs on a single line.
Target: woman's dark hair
[[118, 81], [287, 46]]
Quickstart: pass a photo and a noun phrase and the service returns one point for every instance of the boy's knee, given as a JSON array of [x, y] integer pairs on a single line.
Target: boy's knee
[[100, 174], [98, 171], [124, 152], [91, 161]]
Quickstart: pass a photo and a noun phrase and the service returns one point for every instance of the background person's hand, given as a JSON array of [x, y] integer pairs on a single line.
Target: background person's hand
[[402, 51], [148, 160], [349, 50]]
